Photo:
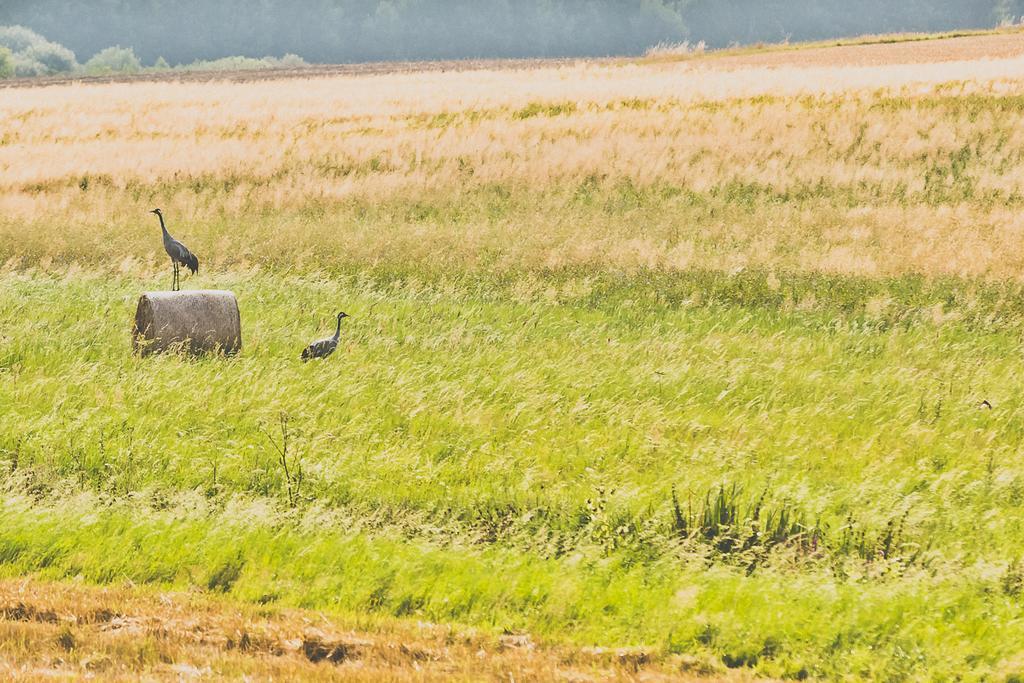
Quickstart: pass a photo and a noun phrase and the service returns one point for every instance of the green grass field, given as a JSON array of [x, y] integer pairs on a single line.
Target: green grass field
[[502, 452]]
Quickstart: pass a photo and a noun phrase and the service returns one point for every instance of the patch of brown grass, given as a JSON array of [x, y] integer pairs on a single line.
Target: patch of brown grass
[[63, 630]]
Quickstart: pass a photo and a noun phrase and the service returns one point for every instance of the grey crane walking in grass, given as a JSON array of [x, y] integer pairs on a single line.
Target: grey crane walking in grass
[[324, 347], [179, 253]]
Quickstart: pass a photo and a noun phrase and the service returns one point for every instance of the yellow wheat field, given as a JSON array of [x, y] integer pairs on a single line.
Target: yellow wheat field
[[872, 169]]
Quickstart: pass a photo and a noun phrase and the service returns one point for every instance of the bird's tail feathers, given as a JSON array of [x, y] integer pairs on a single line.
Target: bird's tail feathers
[[192, 263]]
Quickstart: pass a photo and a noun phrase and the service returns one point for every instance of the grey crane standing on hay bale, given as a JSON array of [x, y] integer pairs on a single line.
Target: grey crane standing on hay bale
[[324, 347], [179, 253]]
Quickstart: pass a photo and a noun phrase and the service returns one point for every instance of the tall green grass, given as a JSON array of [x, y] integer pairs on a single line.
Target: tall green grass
[[794, 473]]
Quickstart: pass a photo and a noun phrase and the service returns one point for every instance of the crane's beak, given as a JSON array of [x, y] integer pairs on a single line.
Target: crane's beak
[[155, 211]]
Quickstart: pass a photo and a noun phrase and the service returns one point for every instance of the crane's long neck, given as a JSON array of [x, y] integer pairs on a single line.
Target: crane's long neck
[[162, 226], [337, 332]]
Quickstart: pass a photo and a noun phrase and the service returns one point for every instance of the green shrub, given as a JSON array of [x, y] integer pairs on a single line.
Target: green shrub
[[6, 63], [238, 63], [26, 67], [34, 55], [54, 56], [19, 39], [290, 60], [224, 64], [114, 59]]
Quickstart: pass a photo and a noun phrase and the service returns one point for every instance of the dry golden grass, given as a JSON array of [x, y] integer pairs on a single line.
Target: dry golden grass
[[50, 631], [823, 167]]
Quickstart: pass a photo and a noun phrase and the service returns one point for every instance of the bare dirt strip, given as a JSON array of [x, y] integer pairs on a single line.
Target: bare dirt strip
[[910, 51], [311, 71]]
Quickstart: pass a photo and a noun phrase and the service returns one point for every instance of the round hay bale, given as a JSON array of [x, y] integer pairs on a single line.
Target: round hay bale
[[196, 322]]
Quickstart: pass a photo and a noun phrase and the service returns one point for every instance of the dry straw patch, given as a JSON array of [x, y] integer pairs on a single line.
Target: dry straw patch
[[64, 630]]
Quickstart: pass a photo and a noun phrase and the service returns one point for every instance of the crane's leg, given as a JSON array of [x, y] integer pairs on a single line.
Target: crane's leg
[[174, 281]]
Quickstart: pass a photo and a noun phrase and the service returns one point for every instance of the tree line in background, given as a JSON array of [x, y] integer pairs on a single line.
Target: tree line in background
[[184, 31], [25, 53]]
